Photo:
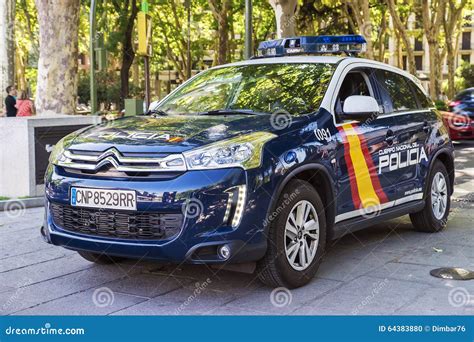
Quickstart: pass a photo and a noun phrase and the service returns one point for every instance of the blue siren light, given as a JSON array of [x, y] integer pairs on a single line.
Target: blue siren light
[[309, 45]]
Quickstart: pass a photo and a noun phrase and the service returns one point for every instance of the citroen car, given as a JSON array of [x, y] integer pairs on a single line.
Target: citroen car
[[259, 162]]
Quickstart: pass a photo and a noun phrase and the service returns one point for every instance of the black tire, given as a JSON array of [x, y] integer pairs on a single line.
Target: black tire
[[101, 259], [274, 269], [425, 220]]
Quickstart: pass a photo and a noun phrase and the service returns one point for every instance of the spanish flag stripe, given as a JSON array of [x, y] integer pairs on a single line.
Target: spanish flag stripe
[[350, 170], [366, 190], [373, 172]]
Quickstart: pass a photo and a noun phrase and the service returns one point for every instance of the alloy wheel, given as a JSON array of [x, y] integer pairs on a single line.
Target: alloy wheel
[[439, 195], [301, 235]]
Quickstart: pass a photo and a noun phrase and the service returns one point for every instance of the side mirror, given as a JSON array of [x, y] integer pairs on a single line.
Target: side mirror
[[358, 107]]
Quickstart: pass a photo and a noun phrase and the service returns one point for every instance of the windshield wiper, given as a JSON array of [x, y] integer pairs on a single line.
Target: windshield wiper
[[231, 111], [157, 112]]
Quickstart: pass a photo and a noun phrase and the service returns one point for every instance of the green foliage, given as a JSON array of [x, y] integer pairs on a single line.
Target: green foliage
[[170, 36], [440, 105], [27, 47], [465, 73], [108, 88]]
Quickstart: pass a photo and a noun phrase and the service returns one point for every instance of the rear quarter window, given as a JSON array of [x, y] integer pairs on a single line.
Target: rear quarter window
[[424, 101]]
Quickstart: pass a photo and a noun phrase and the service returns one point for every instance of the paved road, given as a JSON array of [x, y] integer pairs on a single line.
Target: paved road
[[382, 270]]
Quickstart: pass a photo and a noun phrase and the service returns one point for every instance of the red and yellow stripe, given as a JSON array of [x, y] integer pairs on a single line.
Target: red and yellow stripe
[[365, 185]]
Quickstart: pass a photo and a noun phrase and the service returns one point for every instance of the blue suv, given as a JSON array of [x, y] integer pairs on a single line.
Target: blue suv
[[261, 161]]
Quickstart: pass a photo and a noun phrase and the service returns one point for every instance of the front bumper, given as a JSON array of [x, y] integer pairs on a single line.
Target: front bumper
[[200, 235]]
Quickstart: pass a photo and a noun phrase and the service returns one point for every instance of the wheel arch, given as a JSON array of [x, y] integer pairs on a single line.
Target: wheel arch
[[445, 156], [318, 176]]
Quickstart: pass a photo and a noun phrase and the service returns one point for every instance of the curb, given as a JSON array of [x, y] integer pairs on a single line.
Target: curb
[[34, 202]]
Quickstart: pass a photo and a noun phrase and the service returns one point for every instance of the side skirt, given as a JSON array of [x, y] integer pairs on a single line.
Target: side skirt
[[357, 223]]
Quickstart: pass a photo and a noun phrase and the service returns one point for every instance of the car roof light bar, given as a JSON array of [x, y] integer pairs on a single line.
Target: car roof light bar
[[312, 45]]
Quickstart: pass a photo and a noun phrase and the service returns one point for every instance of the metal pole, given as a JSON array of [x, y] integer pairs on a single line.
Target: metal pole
[[92, 33], [147, 81], [188, 52], [248, 52]]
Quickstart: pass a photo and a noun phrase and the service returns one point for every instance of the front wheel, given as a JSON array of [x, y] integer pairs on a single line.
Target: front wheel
[[296, 238], [434, 216]]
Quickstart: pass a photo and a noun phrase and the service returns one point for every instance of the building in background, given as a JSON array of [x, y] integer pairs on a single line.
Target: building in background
[[464, 53]]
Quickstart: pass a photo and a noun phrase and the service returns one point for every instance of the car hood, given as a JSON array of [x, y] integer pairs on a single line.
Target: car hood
[[169, 134]]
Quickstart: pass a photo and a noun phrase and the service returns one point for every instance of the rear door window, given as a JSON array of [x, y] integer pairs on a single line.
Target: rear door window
[[398, 91]]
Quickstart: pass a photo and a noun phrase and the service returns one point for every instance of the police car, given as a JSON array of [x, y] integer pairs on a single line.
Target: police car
[[257, 162]]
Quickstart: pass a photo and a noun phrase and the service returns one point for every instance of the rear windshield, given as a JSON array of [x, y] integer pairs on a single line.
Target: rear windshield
[[265, 88]]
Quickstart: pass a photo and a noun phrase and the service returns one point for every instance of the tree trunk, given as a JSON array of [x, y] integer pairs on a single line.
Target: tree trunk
[[401, 28], [20, 76], [361, 12], [381, 38], [127, 55], [58, 22], [285, 14], [7, 47], [450, 23], [451, 69], [432, 14], [223, 33], [220, 10]]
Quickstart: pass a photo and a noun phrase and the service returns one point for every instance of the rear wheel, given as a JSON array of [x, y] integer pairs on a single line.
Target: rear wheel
[[101, 259], [296, 238], [434, 216]]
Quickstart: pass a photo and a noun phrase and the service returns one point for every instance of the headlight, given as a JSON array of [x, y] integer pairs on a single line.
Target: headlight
[[244, 151], [460, 122], [57, 154]]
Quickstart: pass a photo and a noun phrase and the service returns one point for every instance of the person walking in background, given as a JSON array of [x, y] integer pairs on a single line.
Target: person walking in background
[[10, 101], [24, 105]]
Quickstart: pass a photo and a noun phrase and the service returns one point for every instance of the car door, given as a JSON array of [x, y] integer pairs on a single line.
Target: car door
[[361, 191], [403, 161]]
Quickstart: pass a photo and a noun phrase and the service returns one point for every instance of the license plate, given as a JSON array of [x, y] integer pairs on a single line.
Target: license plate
[[103, 198]]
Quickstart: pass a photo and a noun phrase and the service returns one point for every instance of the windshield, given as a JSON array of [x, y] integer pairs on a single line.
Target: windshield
[[261, 88]]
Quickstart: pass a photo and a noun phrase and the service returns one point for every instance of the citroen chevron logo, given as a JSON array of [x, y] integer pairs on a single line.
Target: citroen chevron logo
[[111, 156], [112, 152]]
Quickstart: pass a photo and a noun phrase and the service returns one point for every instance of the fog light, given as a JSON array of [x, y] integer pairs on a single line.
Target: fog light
[[224, 252]]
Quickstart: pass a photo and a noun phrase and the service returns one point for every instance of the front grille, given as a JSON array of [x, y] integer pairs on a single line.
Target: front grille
[[116, 224], [131, 164]]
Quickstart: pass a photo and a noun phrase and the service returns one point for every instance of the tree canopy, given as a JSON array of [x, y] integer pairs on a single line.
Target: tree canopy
[[216, 34]]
